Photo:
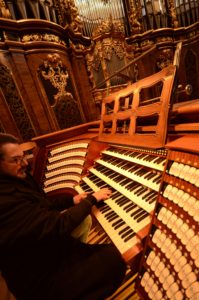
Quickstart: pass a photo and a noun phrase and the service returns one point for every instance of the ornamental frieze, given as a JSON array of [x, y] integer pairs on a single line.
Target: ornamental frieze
[[42, 37], [147, 43], [164, 39]]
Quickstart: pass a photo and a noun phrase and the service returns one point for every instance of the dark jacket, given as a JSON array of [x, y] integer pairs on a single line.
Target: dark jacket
[[34, 236]]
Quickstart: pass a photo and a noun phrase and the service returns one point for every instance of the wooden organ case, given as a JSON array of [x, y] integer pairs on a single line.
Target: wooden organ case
[[128, 154]]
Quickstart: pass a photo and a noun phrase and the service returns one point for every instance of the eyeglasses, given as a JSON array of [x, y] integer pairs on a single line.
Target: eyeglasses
[[16, 159]]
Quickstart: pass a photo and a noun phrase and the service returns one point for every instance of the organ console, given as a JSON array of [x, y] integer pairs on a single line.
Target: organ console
[[152, 214]]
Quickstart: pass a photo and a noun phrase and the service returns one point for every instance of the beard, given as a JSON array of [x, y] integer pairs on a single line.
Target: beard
[[22, 173]]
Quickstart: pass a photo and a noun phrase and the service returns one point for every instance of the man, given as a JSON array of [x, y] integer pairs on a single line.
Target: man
[[39, 258]]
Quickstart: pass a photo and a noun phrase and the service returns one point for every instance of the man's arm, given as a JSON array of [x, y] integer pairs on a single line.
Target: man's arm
[[24, 220], [60, 202]]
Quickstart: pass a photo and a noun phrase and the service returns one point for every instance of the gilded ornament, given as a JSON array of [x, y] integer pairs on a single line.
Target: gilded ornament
[[136, 26], [54, 71], [119, 49], [173, 15], [68, 14], [109, 26], [165, 59], [42, 37]]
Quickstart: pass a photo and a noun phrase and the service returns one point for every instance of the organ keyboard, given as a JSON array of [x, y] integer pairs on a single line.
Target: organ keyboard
[[64, 165], [126, 215], [133, 174]]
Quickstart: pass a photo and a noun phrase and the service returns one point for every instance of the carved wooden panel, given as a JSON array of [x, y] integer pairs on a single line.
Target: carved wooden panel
[[56, 79], [15, 104]]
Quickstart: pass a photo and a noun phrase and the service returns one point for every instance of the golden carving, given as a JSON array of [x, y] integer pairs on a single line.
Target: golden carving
[[77, 47], [173, 15], [103, 51], [95, 60], [68, 14], [165, 59], [135, 11], [89, 60], [118, 46], [42, 37], [111, 45], [106, 49], [54, 71], [164, 39], [108, 41], [147, 43], [109, 26], [4, 12]]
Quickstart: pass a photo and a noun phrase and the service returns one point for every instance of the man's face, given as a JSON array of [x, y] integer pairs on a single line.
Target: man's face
[[13, 162]]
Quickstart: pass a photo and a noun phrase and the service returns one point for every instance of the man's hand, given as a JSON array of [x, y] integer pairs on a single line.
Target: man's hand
[[102, 194], [78, 198]]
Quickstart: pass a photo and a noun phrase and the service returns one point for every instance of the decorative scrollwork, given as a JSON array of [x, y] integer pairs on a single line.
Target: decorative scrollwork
[[173, 15], [109, 26], [90, 67], [108, 46], [107, 50], [119, 49], [59, 90], [133, 17], [165, 59], [42, 37], [68, 14], [54, 71]]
